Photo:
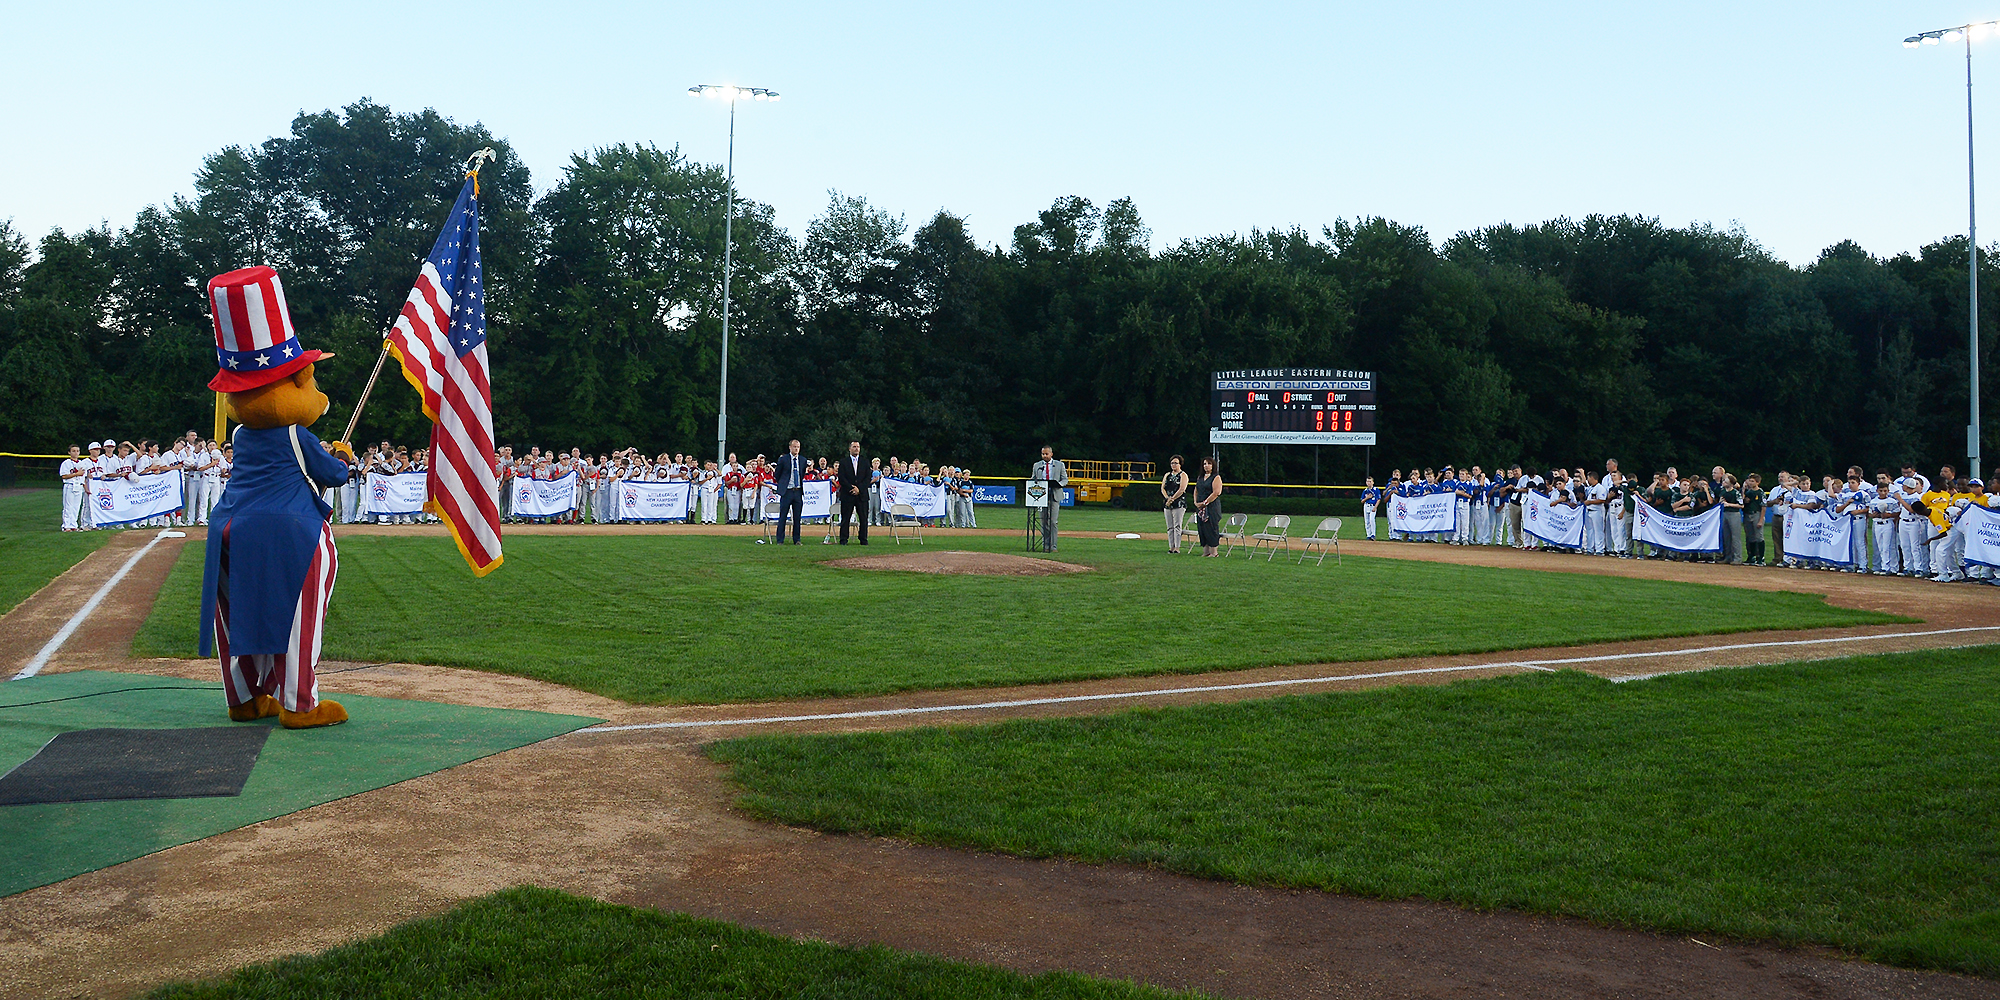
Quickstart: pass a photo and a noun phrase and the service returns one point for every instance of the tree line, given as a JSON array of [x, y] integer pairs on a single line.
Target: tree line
[[1562, 342]]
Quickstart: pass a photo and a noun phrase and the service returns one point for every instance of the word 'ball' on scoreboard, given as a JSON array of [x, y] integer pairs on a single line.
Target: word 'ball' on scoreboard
[[1292, 406]]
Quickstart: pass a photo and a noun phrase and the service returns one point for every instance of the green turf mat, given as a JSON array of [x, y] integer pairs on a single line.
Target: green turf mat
[[388, 740]]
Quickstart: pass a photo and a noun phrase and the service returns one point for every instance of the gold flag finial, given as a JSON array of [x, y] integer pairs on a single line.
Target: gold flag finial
[[472, 166]]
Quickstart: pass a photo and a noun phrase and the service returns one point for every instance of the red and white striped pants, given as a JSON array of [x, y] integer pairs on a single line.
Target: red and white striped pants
[[291, 677]]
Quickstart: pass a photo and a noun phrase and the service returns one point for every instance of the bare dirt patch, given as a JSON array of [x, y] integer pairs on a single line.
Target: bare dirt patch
[[972, 563]]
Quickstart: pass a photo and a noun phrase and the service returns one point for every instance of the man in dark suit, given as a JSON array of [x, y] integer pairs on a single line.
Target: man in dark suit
[[789, 479], [851, 481]]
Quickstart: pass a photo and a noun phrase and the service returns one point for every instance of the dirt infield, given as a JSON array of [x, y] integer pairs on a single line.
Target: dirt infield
[[955, 562], [642, 817]]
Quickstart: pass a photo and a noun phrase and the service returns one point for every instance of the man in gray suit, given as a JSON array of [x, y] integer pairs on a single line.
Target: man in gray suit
[[1058, 477]]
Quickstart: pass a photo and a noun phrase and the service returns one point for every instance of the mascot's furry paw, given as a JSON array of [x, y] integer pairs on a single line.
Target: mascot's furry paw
[[329, 713], [261, 707]]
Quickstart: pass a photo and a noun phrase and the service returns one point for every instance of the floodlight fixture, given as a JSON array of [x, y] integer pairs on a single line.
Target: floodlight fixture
[[730, 93], [1966, 33]]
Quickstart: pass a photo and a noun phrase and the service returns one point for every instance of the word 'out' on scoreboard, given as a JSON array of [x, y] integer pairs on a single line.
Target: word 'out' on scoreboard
[[1292, 406]]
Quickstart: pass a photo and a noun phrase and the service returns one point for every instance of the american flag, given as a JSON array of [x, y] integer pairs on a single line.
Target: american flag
[[441, 341]]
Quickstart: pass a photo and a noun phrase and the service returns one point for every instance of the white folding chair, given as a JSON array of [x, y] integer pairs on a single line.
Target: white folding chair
[[770, 518], [1233, 531], [902, 515], [1327, 535], [1274, 534]]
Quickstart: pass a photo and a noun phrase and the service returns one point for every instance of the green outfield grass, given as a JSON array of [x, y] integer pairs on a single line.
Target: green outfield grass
[[1849, 802], [658, 619], [33, 548], [530, 943]]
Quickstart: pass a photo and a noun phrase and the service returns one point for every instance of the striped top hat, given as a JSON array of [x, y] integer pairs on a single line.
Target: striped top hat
[[254, 341]]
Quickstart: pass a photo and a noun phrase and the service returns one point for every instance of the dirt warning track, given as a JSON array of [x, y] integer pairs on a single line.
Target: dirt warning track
[[640, 816]]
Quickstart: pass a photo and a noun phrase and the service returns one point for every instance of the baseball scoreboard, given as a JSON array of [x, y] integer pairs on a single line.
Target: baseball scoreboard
[[1292, 406]]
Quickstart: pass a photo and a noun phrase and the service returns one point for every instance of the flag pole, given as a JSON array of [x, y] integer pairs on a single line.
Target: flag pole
[[347, 435], [471, 170]]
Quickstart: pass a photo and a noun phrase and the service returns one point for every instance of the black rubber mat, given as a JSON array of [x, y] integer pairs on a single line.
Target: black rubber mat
[[92, 765]]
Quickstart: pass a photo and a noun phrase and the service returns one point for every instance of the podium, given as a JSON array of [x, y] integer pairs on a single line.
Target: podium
[[1036, 493]]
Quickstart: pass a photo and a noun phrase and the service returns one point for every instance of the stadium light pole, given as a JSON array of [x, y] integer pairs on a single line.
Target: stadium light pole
[[1967, 32], [732, 94]]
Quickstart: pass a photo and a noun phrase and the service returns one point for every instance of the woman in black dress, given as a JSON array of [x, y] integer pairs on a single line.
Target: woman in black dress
[[1208, 506]]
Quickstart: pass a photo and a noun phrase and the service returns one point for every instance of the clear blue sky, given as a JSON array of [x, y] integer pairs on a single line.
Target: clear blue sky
[[1805, 123]]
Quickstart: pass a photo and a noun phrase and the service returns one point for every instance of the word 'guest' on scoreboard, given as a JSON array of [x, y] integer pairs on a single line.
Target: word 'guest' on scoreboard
[[1292, 406]]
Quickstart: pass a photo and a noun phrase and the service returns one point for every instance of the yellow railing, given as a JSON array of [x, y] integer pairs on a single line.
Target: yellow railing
[[1109, 472]]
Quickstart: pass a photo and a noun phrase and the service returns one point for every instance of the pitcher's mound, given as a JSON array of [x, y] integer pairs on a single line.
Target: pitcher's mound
[[978, 563]]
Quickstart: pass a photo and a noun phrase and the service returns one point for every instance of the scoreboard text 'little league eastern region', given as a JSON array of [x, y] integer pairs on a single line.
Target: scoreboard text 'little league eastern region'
[[1292, 406]]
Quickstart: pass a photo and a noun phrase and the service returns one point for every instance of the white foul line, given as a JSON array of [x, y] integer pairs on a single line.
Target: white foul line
[[1548, 665], [49, 649]]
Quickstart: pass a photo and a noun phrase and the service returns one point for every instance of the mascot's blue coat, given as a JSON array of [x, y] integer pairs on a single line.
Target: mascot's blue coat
[[273, 518]]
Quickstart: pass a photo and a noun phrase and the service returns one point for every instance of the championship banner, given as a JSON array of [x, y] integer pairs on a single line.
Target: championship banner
[[1982, 535], [925, 499], [1701, 533], [1554, 523], [647, 501], [819, 500], [1818, 534], [402, 493], [124, 501], [545, 497], [1425, 514]]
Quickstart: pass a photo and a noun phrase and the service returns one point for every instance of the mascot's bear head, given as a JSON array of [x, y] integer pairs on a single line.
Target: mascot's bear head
[[292, 399]]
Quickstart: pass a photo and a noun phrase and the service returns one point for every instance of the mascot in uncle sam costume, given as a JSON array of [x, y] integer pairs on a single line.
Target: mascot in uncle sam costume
[[271, 559]]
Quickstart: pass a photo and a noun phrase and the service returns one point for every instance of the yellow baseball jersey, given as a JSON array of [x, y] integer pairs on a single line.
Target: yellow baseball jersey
[[1937, 501]]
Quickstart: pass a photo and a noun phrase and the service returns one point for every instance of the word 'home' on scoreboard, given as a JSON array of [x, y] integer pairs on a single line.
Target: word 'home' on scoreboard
[[1292, 406]]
